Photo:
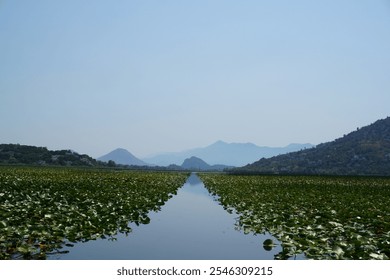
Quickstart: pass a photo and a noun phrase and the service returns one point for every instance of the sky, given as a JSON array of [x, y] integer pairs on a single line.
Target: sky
[[157, 76]]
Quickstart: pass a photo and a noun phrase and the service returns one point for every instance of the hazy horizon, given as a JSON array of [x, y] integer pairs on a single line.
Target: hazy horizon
[[167, 76]]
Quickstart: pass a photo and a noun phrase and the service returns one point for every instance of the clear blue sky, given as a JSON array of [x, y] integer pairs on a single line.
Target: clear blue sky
[[155, 76]]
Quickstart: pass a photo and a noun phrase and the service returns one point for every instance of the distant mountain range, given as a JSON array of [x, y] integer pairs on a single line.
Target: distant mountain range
[[365, 151], [231, 154], [218, 156], [122, 156]]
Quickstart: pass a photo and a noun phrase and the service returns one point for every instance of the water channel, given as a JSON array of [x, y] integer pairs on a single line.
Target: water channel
[[190, 226]]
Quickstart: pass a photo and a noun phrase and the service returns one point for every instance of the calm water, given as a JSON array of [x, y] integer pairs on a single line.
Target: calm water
[[191, 225]]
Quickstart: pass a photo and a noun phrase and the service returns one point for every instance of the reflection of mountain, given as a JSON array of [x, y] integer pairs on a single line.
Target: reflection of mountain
[[193, 179], [232, 154], [122, 156]]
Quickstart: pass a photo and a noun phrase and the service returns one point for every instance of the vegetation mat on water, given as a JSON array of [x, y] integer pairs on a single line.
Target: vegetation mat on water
[[44, 209], [322, 217]]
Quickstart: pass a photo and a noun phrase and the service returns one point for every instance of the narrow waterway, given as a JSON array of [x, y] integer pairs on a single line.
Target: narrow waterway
[[191, 225]]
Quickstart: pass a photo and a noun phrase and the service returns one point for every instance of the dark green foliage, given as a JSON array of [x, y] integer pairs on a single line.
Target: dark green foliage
[[362, 152], [322, 217], [31, 155], [44, 209]]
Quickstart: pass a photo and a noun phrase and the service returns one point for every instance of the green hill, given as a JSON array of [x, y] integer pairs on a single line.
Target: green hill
[[365, 151], [31, 155]]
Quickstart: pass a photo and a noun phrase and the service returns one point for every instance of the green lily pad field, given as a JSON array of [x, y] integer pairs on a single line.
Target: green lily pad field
[[320, 217], [45, 210]]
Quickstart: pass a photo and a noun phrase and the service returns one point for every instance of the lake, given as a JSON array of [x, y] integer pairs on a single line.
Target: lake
[[191, 225]]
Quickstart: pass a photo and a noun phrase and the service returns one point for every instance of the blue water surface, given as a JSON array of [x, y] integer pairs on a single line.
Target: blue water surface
[[190, 226]]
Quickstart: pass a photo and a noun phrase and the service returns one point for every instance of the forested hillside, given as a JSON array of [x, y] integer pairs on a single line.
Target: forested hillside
[[31, 155], [365, 151]]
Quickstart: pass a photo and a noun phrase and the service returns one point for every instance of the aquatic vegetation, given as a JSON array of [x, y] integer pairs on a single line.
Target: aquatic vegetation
[[321, 217], [48, 209]]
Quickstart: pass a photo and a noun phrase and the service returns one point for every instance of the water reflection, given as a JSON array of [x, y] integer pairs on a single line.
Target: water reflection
[[191, 225]]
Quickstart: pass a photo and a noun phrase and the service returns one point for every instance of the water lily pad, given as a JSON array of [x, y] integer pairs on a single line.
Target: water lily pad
[[47, 206], [323, 217]]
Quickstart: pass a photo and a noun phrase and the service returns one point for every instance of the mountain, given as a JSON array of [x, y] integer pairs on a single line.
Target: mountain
[[365, 151], [32, 155], [231, 154], [122, 156], [197, 164]]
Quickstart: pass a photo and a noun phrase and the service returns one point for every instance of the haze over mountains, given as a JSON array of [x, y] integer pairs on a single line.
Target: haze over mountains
[[231, 154], [124, 157], [365, 151]]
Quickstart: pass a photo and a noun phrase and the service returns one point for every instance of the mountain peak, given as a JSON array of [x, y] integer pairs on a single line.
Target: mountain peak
[[122, 156], [195, 163], [219, 143], [121, 150]]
